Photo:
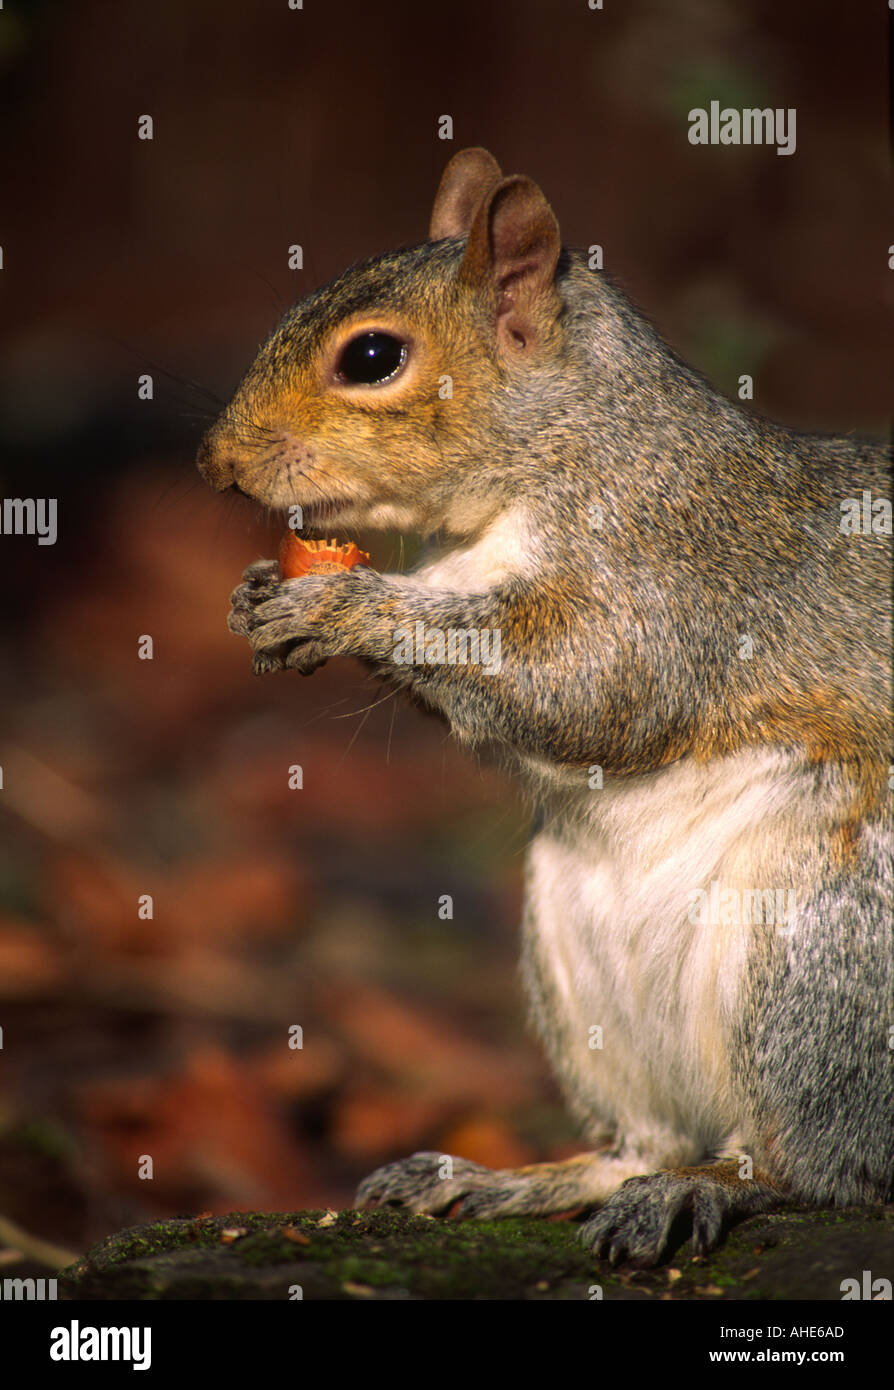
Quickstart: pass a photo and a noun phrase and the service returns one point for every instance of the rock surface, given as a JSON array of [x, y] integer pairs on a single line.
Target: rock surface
[[388, 1255]]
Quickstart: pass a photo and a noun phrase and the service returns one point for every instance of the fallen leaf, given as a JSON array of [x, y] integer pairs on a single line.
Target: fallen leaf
[[294, 1235]]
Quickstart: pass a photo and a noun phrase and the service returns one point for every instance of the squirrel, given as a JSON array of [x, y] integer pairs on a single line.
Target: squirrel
[[693, 686]]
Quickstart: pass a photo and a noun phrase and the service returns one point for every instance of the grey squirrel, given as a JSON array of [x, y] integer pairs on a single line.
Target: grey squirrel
[[693, 685]]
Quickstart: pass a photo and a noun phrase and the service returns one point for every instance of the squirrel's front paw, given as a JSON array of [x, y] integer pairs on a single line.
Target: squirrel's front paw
[[259, 582], [424, 1183], [296, 624], [434, 1183]]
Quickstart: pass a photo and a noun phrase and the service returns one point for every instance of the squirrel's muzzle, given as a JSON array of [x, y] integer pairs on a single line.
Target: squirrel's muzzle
[[215, 463]]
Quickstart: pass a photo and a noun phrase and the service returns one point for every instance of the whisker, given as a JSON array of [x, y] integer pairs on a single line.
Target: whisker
[[366, 709], [178, 378]]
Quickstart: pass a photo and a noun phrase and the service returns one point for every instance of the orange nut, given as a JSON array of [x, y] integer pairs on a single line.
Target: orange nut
[[298, 557]]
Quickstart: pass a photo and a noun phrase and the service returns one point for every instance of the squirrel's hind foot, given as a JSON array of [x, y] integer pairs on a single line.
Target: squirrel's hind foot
[[648, 1216]]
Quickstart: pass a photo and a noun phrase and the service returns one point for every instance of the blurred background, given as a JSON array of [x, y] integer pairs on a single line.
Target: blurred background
[[121, 777]]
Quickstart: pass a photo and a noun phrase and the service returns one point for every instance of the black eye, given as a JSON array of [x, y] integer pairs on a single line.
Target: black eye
[[371, 358]]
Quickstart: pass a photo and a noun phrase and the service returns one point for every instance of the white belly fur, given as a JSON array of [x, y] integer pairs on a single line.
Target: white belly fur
[[506, 548], [609, 936]]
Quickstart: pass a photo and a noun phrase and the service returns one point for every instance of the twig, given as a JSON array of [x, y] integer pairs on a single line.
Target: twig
[[33, 1248]]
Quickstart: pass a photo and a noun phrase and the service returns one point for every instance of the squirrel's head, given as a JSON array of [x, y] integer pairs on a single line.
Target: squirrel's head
[[384, 398]]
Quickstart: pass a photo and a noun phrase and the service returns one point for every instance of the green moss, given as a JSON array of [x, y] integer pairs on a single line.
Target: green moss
[[390, 1255], [267, 1248], [377, 1273]]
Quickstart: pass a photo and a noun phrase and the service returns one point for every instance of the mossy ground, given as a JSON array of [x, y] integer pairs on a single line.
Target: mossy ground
[[388, 1255]]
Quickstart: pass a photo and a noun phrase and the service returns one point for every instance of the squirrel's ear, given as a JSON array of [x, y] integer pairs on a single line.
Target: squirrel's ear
[[511, 255], [465, 183]]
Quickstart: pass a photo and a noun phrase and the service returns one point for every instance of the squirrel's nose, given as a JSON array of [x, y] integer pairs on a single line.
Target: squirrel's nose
[[214, 463]]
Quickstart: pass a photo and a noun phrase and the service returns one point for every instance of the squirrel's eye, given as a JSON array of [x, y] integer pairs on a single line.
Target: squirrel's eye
[[371, 358]]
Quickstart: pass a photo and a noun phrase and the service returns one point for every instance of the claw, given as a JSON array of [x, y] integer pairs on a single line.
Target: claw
[[261, 572], [262, 663]]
